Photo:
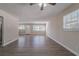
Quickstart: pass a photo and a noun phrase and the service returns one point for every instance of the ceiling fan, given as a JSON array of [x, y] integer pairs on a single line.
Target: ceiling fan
[[42, 5]]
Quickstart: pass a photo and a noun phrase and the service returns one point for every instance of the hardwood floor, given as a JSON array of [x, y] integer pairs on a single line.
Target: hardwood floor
[[34, 45]]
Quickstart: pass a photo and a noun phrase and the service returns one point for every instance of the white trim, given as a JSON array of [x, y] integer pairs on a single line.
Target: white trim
[[4, 44], [74, 52]]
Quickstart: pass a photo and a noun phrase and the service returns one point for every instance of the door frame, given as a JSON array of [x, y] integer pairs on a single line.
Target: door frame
[[2, 18]]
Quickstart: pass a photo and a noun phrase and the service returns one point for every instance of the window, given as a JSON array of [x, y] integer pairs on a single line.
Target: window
[[71, 21], [39, 28], [21, 27]]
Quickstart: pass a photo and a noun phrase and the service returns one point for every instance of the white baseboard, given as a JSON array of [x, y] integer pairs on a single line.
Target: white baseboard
[[50, 36], [4, 44]]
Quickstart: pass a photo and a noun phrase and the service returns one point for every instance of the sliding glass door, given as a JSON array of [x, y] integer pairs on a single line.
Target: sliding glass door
[[24, 29], [27, 29]]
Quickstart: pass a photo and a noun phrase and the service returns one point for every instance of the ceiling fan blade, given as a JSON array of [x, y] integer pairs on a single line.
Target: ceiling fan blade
[[42, 6], [31, 3], [52, 4]]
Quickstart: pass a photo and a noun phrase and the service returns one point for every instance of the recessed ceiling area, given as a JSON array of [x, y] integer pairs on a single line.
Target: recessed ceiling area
[[26, 12]]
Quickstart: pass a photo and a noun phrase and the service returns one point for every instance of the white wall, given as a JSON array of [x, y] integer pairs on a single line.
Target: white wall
[[69, 40], [10, 28]]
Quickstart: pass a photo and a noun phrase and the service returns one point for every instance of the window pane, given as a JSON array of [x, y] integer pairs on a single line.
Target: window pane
[[21, 27], [39, 28], [71, 20]]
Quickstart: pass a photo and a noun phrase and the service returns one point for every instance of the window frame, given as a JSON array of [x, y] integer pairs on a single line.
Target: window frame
[[71, 21]]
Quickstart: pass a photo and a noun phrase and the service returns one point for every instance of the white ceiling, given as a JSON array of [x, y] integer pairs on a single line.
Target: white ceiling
[[26, 12]]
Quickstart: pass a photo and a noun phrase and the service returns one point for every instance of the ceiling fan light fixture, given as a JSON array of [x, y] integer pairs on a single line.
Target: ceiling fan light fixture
[[40, 4], [43, 5]]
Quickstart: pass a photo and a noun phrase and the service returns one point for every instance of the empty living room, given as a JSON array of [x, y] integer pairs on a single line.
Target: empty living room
[[39, 29]]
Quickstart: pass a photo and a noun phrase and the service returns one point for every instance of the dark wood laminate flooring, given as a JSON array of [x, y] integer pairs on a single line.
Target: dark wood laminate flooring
[[34, 45]]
